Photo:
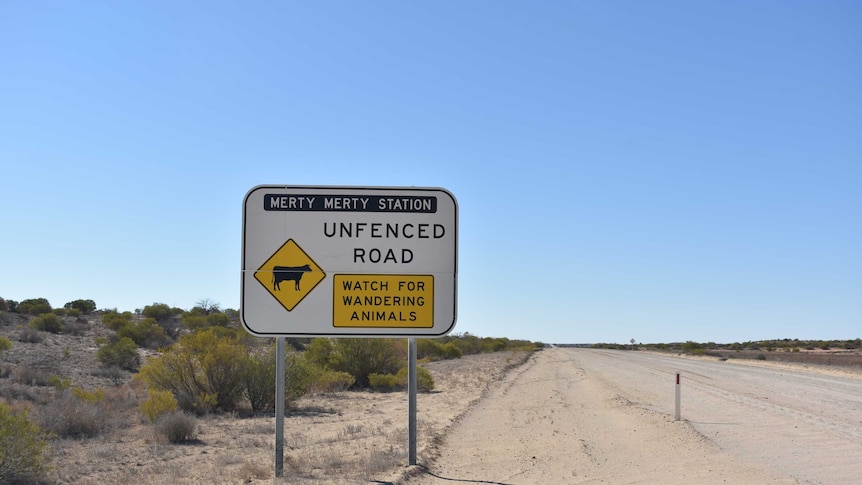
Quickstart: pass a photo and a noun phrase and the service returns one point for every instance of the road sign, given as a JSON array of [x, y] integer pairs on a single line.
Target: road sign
[[349, 261]]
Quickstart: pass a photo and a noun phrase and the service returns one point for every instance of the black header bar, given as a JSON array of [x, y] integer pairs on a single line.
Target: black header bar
[[349, 203]]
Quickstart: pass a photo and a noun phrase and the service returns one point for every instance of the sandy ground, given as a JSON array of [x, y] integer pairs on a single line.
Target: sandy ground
[[585, 416], [566, 416], [344, 437]]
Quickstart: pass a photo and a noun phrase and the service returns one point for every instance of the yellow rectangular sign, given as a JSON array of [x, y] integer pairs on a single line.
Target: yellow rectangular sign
[[391, 301]]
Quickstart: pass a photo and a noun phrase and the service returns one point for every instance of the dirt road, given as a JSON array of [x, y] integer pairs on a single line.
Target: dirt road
[[595, 416]]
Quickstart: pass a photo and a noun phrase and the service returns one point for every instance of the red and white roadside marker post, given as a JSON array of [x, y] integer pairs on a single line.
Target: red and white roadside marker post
[[676, 415]]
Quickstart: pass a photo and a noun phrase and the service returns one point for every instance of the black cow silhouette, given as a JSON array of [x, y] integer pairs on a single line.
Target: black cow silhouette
[[285, 273]]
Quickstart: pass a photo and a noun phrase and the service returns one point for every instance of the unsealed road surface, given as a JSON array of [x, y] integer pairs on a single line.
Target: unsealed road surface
[[600, 416]]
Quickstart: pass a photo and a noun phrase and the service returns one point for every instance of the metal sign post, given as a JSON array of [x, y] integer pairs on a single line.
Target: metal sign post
[[279, 407], [412, 387]]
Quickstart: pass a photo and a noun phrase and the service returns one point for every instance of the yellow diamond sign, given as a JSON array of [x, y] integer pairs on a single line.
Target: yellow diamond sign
[[289, 274]]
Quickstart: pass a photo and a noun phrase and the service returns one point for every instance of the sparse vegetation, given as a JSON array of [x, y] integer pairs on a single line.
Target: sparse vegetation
[[32, 306], [123, 354], [158, 403], [74, 418], [177, 427], [84, 306], [47, 322], [204, 372], [22, 448]]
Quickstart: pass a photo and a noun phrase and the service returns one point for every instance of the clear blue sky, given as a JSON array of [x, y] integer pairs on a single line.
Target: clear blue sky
[[664, 171]]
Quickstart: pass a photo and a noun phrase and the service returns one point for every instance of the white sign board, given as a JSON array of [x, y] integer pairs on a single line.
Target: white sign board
[[349, 261]]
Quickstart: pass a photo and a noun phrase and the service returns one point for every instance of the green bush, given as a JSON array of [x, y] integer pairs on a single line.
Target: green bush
[[146, 333], [319, 352], [424, 380], [389, 382], [33, 306], [22, 448], [92, 397], [115, 321], [384, 382], [203, 370], [123, 354], [158, 403], [332, 381], [361, 357], [84, 306], [5, 344], [158, 311], [47, 322], [4, 307], [194, 322], [59, 383], [260, 378], [177, 427], [434, 350]]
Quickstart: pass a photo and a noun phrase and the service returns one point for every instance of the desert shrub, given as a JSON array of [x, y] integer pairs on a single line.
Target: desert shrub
[[434, 350], [204, 371], [450, 351], [60, 312], [361, 357], [332, 381], [177, 427], [29, 335], [33, 306], [123, 354], [205, 316], [47, 322], [115, 321], [59, 383], [383, 382], [232, 314], [70, 417], [84, 306], [158, 403], [158, 311], [194, 322], [218, 320], [113, 373], [260, 378], [93, 397], [389, 382], [4, 307], [22, 448], [319, 352], [75, 328], [760, 357], [5, 344], [146, 333], [424, 379], [30, 376], [12, 306]]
